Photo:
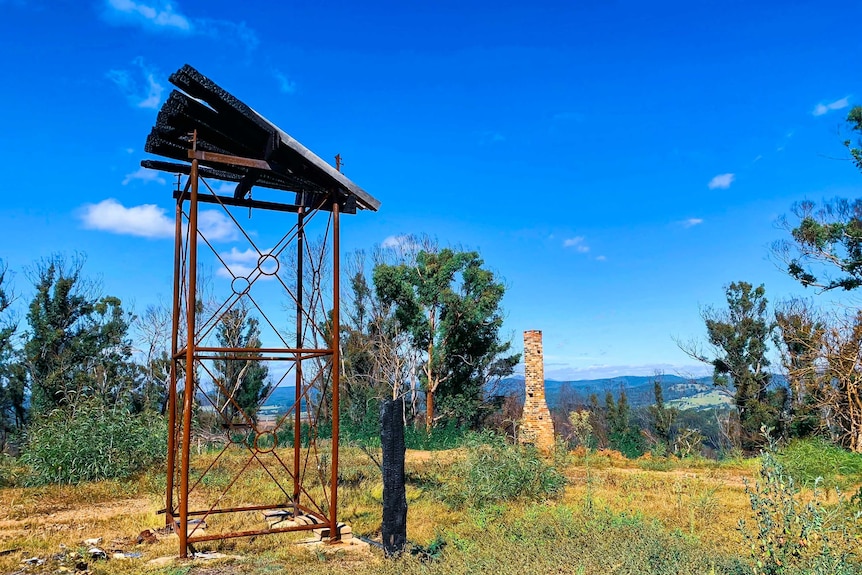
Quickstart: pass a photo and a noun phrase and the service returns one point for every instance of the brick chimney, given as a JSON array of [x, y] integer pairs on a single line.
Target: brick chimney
[[537, 427]]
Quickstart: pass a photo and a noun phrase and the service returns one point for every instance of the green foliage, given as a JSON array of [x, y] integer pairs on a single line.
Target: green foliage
[[739, 336], [449, 304], [815, 460], [92, 442], [582, 427], [12, 376], [76, 346], [240, 383], [662, 417], [495, 471], [449, 436], [829, 237], [623, 435], [793, 537]]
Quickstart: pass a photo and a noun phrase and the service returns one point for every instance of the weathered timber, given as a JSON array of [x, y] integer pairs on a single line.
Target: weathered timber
[[394, 529], [236, 144]]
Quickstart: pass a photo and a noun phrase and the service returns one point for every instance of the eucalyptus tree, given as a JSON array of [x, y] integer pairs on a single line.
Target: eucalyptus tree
[[449, 305]]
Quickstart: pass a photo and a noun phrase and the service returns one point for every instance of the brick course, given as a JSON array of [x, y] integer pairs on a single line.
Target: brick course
[[537, 427]]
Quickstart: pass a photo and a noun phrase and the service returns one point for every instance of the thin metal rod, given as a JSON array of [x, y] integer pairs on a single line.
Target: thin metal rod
[[297, 421], [189, 391], [172, 389], [336, 363]]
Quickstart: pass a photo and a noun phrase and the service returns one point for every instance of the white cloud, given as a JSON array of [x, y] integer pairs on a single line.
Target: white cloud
[[215, 226], [601, 259], [153, 14], [225, 188], [148, 220], [244, 263], [691, 222], [138, 86], [151, 221], [821, 109], [721, 181], [234, 32], [576, 242], [144, 175], [285, 84], [400, 242], [165, 16]]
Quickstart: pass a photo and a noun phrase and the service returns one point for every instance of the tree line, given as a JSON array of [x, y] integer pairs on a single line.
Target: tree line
[[423, 322]]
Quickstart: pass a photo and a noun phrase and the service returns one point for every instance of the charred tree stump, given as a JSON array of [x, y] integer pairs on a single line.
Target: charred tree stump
[[394, 494]]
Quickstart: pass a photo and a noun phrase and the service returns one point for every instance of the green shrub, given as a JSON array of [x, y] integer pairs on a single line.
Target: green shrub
[[10, 470], [794, 537], [95, 442], [806, 460], [449, 436], [494, 471]]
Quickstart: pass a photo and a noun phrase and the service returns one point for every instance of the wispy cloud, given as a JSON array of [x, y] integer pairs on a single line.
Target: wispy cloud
[[144, 175], [150, 221], [235, 32], [721, 182], [577, 243], [399, 242], [244, 263], [691, 222], [821, 108], [138, 85], [216, 227], [156, 14], [491, 137], [161, 16], [601, 259], [147, 220], [285, 84]]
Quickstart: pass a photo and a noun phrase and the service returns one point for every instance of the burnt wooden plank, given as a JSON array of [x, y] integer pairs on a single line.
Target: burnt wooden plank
[[237, 144]]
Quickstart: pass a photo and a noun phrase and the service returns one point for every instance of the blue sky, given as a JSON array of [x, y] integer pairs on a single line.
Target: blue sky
[[617, 162]]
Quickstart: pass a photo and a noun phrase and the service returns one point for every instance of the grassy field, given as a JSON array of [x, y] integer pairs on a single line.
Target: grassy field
[[651, 515]]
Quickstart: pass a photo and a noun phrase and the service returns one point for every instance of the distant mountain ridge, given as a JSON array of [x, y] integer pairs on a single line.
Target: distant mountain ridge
[[682, 392]]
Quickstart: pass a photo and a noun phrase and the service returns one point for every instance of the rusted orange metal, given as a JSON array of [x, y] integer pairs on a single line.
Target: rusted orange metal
[[211, 135]]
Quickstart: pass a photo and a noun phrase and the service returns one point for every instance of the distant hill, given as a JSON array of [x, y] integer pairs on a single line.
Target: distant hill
[[681, 392], [280, 401]]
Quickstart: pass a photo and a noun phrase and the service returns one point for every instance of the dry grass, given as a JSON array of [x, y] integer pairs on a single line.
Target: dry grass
[[696, 504]]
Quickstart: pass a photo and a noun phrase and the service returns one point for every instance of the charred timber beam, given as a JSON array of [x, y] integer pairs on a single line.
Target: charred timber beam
[[236, 174], [243, 203]]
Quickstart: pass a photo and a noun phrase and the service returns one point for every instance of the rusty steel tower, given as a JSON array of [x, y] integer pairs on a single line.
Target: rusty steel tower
[[221, 151]]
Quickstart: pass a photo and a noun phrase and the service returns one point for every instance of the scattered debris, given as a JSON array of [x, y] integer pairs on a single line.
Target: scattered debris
[[127, 555], [97, 553], [210, 555], [92, 542], [33, 561], [147, 536], [9, 551]]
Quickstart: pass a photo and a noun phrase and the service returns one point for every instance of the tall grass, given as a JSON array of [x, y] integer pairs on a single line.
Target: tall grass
[[493, 471], [806, 460], [95, 442], [796, 535]]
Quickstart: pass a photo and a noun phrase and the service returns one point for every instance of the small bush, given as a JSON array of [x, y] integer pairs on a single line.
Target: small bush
[[10, 470], [795, 537], [806, 460], [95, 442], [494, 471]]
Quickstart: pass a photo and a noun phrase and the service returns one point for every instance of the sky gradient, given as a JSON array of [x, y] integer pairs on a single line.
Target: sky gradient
[[616, 162]]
